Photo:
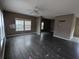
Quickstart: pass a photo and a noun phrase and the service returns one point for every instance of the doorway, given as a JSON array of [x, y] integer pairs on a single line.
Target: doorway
[[47, 25]]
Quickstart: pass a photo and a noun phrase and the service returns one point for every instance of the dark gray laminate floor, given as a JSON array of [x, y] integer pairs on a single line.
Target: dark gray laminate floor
[[45, 47]]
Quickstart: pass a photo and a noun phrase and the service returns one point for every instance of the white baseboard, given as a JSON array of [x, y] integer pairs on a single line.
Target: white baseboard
[[22, 34], [60, 37]]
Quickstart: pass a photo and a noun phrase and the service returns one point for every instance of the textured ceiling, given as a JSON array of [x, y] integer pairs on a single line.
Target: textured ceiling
[[46, 8]]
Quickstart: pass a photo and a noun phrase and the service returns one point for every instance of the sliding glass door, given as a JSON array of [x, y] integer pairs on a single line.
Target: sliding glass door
[[2, 32]]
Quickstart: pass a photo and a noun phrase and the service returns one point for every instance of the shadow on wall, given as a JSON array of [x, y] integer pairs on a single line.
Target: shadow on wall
[[76, 33]]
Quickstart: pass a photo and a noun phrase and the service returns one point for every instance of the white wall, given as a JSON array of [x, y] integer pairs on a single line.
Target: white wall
[[64, 30], [38, 25], [76, 32]]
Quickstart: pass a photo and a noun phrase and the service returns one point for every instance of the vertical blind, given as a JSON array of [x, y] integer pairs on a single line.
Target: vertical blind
[[2, 32]]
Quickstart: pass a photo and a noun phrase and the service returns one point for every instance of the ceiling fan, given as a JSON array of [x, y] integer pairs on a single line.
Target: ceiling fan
[[36, 11]]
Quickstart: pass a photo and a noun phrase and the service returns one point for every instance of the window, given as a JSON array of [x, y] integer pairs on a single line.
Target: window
[[19, 25], [23, 25], [42, 25], [27, 25]]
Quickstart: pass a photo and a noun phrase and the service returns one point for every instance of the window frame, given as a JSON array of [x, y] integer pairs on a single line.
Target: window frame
[[23, 24], [30, 25], [16, 26]]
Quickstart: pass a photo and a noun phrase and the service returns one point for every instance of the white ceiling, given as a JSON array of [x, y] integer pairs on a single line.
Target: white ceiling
[[46, 8]]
